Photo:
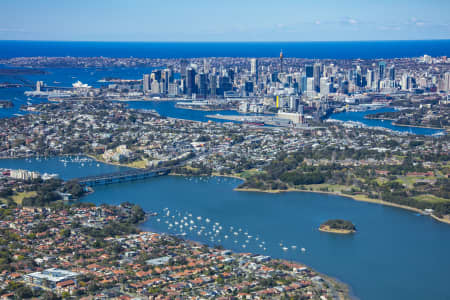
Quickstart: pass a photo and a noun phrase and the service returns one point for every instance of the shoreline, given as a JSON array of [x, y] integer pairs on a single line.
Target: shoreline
[[405, 125], [343, 289], [328, 229], [418, 126], [353, 197], [203, 109]]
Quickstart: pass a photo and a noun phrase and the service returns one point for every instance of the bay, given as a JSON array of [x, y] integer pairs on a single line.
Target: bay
[[395, 254]]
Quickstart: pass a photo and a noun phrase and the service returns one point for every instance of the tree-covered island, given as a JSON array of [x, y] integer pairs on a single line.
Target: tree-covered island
[[338, 226]]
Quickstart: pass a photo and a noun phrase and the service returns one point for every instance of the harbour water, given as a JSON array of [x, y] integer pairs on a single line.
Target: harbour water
[[396, 254], [359, 116]]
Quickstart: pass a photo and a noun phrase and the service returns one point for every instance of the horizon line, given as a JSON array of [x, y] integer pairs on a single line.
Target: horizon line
[[199, 41]]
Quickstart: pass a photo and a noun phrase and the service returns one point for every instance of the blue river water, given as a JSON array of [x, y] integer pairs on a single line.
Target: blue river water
[[359, 117], [320, 50], [395, 254]]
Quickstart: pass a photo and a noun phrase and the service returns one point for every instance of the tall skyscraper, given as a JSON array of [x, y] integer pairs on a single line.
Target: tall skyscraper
[[309, 70], [281, 61], [183, 66], [360, 80], [39, 84], [167, 79], [369, 78], [304, 83], [310, 84], [254, 68], [156, 75], [325, 86], [447, 81], [190, 81], [146, 83], [317, 74], [213, 85], [206, 66], [381, 70], [404, 82], [392, 73], [248, 87], [202, 84]]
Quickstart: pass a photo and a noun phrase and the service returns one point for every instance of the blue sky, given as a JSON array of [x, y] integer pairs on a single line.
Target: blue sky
[[224, 20]]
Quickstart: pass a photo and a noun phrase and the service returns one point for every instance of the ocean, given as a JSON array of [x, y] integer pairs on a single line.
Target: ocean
[[318, 50]]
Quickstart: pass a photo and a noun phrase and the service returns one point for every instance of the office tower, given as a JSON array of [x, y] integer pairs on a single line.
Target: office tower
[[146, 83], [344, 87], [190, 81], [254, 68], [392, 73], [39, 85], [369, 78], [404, 82], [156, 75], [317, 74], [310, 84], [206, 66], [173, 89], [309, 71], [329, 71], [381, 70], [447, 81], [156, 88], [166, 79], [213, 85], [274, 77], [248, 87], [183, 66], [303, 84], [202, 84], [324, 86], [183, 84], [231, 74], [281, 61], [293, 103]]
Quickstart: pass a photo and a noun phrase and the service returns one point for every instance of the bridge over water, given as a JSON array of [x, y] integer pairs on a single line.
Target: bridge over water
[[120, 176]]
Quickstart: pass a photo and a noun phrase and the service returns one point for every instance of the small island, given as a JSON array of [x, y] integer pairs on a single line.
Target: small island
[[338, 226]]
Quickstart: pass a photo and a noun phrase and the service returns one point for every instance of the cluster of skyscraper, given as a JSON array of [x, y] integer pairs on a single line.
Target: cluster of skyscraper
[[201, 81]]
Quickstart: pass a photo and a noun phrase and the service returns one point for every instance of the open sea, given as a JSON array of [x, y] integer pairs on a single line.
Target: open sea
[[320, 50]]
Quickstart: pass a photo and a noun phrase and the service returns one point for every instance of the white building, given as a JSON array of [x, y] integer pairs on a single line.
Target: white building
[[24, 174]]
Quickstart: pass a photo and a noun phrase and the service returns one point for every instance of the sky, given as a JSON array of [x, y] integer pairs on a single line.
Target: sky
[[224, 20]]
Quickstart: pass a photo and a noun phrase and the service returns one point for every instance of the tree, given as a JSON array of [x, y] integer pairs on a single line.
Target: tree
[[24, 292]]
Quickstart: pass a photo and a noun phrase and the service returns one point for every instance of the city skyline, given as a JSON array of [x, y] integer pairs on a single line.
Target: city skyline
[[231, 21]]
